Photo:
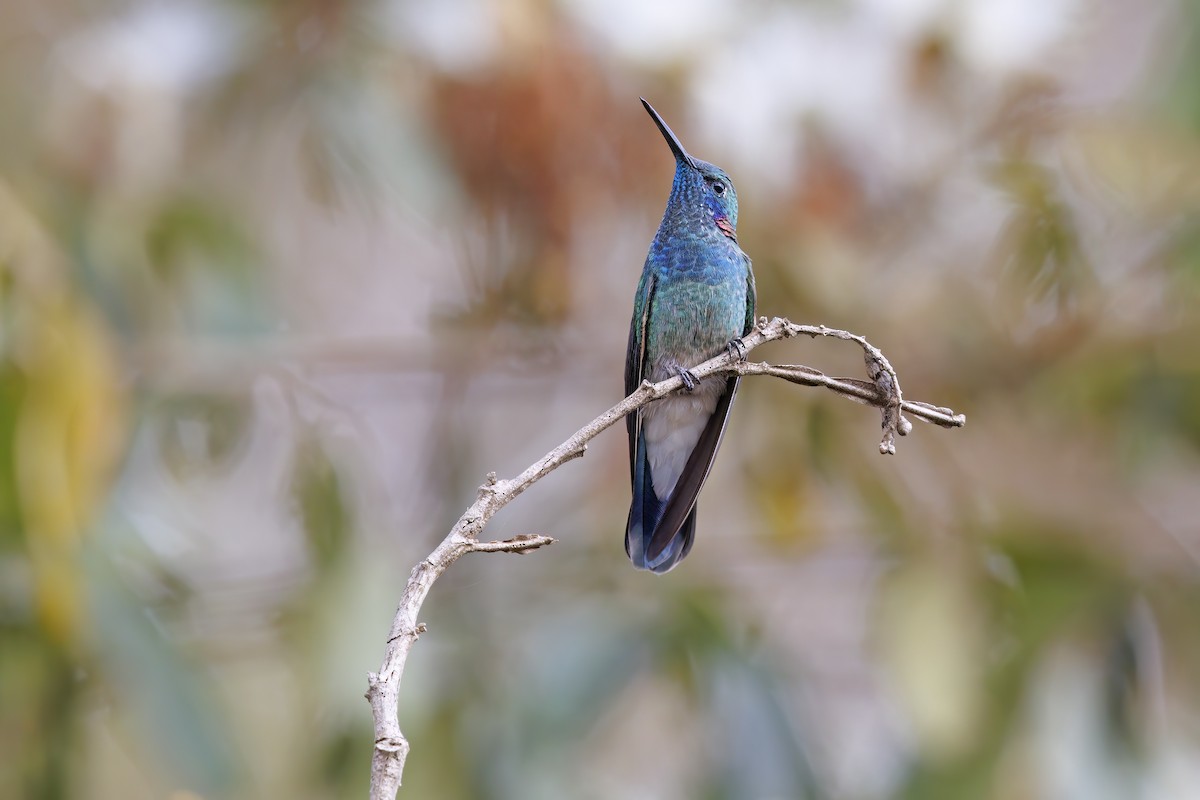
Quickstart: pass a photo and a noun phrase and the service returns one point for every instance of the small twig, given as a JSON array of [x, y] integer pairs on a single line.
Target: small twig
[[882, 391], [522, 544], [857, 390]]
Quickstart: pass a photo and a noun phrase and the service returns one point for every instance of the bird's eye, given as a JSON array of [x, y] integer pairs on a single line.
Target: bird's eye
[[718, 188]]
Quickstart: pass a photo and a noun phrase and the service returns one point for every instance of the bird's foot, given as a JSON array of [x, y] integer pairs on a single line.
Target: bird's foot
[[689, 380], [737, 349]]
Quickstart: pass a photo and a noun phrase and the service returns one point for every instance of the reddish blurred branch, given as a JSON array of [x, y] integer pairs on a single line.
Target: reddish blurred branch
[[882, 391]]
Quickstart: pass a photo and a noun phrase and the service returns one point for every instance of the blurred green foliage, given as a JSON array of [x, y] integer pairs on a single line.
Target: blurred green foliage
[[280, 282]]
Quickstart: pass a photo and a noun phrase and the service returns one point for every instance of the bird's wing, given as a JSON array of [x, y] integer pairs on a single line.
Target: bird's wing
[[635, 356], [751, 296]]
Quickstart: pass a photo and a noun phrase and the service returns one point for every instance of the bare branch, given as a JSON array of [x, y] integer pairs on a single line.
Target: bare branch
[[881, 391]]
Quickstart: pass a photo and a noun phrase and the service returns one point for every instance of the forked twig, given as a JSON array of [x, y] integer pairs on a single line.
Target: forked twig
[[882, 391]]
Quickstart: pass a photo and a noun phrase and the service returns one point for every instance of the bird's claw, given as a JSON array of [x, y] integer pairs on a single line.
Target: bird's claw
[[689, 380], [737, 349]]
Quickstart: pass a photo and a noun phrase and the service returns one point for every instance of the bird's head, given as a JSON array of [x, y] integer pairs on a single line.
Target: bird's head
[[701, 190]]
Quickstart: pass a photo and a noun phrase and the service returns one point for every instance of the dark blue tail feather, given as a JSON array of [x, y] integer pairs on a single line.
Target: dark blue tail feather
[[645, 513]]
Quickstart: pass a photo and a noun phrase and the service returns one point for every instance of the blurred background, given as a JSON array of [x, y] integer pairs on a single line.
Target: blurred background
[[280, 282]]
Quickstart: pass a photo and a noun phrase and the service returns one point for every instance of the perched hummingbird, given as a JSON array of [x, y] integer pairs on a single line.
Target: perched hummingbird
[[695, 298]]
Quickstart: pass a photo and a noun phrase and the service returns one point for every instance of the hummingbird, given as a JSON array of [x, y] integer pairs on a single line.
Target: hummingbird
[[695, 298]]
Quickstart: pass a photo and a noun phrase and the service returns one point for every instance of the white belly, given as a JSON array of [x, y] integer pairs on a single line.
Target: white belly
[[672, 426]]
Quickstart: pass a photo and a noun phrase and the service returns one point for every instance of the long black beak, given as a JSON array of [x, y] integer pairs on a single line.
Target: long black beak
[[668, 134]]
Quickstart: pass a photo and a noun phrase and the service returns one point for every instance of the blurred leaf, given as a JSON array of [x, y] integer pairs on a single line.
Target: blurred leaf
[[757, 750], [1186, 252], [1058, 586], [62, 426], [318, 493], [188, 228], [171, 701], [1180, 101], [1146, 392], [11, 390], [1132, 677], [203, 434], [39, 715], [344, 755], [1039, 249], [693, 630], [68, 429], [445, 765], [202, 253]]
